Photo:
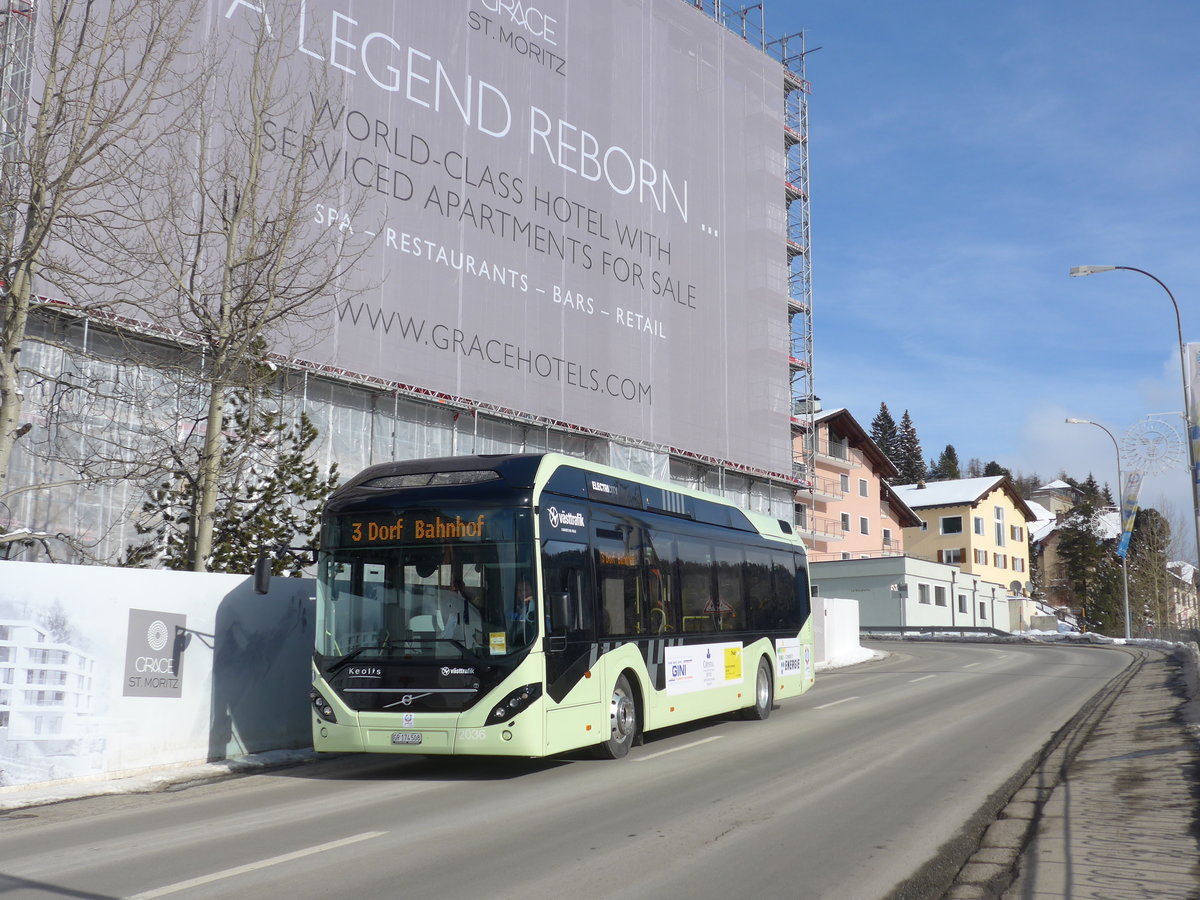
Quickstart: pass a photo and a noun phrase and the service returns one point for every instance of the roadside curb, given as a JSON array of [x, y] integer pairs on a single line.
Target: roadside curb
[[992, 867], [1112, 804]]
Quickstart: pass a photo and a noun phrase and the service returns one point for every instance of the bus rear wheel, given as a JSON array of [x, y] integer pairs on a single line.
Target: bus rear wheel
[[623, 721], [764, 693]]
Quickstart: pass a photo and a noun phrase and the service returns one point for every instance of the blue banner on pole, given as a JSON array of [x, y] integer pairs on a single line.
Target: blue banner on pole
[[1129, 507]]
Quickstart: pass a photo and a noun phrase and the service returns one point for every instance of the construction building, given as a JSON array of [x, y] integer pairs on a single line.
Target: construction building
[[364, 418]]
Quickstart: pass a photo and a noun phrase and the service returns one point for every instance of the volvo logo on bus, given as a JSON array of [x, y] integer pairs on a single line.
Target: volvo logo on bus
[[565, 520]]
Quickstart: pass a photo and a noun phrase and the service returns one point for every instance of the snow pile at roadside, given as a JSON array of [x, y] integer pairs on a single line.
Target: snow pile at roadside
[[850, 657]]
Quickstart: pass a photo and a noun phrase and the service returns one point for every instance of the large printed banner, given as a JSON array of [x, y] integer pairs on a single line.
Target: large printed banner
[[576, 210]]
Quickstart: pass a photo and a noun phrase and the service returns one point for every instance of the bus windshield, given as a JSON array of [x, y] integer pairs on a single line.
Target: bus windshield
[[446, 583]]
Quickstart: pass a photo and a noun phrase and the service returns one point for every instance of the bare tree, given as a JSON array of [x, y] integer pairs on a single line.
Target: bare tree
[[103, 88], [234, 259], [158, 198]]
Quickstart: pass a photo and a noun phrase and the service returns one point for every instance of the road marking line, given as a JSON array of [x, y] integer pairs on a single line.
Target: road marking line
[[677, 749], [252, 867], [922, 678], [834, 703], [968, 665]]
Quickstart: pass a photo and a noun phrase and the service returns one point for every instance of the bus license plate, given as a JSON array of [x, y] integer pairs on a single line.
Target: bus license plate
[[406, 737]]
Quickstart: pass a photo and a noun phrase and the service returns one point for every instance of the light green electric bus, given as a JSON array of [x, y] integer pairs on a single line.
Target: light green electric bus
[[528, 605]]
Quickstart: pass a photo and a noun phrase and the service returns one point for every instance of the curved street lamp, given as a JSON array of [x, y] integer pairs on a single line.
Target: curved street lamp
[[1193, 471], [1120, 489]]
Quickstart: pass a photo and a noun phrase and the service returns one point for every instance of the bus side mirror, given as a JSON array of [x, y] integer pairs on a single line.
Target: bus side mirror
[[262, 575], [562, 611]]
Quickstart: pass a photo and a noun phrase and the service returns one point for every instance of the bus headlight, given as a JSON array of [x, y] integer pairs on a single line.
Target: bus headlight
[[512, 704], [321, 706]]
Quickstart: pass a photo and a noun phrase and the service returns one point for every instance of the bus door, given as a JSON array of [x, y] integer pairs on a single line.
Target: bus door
[[570, 636]]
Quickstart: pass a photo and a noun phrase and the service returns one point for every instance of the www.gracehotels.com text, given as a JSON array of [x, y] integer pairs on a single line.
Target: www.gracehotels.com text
[[496, 352]]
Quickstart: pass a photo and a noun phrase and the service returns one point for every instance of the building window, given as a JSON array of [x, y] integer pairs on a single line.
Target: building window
[[939, 595], [982, 610], [845, 483], [864, 525], [999, 526], [952, 556], [845, 521], [845, 554], [981, 557], [923, 594], [951, 525], [802, 516], [924, 525], [979, 527], [1018, 533], [962, 603], [815, 590], [887, 537], [1000, 561], [1018, 564], [862, 488]]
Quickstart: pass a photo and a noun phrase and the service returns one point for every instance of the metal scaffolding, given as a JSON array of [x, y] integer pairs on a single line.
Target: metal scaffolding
[[748, 22], [16, 46]]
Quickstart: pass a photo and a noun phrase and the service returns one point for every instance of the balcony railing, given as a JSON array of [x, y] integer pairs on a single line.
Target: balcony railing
[[837, 555], [839, 453]]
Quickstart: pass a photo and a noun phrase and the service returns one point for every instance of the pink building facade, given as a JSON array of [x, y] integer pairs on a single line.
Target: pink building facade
[[850, 511]]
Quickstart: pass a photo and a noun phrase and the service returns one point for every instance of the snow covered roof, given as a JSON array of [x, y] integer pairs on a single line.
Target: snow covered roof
[[959, 492], [1183, 569], [1043, 520], [1056, 485]]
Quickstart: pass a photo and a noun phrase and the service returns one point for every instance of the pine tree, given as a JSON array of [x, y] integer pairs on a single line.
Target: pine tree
[[946, 468], [270, 494], [1089, 570], [994, 468], [912, 458], [885, 435]]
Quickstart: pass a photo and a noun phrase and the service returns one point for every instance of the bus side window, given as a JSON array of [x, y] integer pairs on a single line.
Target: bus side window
[[565, 570], [730, 612], [696, 586], [783, 605], [758, 589], [618, 570], [803, 590]]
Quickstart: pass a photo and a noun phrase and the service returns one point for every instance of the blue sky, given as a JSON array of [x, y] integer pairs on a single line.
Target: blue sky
[[963, 157]]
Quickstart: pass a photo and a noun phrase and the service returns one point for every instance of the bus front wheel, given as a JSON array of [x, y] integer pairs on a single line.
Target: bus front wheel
[[764, 693], [623, 721]]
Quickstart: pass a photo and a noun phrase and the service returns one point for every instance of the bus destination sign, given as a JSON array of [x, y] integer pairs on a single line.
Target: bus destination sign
[[414, 529]]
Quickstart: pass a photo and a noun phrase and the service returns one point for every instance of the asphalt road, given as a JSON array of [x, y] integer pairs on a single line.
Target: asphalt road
[[843, 793]]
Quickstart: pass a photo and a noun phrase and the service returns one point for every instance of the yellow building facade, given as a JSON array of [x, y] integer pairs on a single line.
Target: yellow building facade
[[980, 525]]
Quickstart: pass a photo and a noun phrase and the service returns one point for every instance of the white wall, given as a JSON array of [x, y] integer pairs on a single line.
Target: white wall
[[242, 663], [835, 629]]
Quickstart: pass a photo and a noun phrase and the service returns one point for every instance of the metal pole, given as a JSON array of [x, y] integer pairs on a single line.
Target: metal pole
[[1193, 471], [1120, 491], [1190, 426]]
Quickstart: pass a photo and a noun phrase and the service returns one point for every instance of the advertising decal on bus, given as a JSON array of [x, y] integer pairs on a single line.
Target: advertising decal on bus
[[787, 654], [699, 667]]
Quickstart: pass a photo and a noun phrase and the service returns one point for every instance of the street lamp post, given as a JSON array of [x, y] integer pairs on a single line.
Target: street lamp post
[[1189, 425], [1120, 489]]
